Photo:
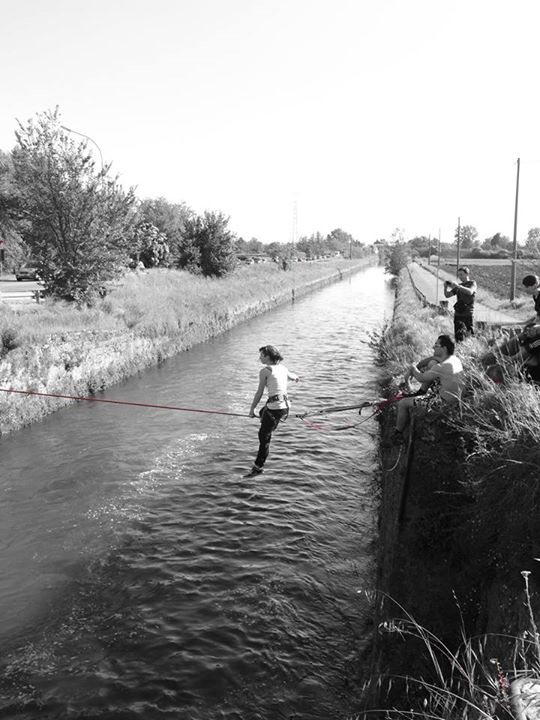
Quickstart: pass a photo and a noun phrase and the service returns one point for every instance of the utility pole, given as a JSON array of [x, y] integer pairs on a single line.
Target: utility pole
[[438, 268], [458, 243], [429, 251], [514, 258]]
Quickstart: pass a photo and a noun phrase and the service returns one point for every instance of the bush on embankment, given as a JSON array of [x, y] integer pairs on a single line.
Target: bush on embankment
[[471, 527], [59, 348]]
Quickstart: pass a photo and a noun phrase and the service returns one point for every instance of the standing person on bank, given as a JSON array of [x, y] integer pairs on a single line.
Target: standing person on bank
[[465, 292], [274, 377]]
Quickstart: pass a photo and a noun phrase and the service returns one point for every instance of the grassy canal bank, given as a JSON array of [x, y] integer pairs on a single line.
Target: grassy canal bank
[[459, 537], [56, 348]]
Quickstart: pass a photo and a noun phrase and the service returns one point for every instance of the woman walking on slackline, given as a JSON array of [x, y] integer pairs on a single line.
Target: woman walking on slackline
[[273, 377]]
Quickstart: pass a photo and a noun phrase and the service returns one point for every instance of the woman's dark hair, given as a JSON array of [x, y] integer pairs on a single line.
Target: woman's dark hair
[[272, 352], [447, 342], [530, 280]]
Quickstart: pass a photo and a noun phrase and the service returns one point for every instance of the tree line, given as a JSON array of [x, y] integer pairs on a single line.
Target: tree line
[[83, 229], [494, 246], [398, 251], [308, 246]]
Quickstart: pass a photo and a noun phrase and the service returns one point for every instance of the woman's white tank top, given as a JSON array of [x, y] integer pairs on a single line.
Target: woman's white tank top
[[276, 383]]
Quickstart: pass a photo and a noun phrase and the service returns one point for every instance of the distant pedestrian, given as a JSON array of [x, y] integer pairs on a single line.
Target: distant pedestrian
[[273, 377], [465, 292]]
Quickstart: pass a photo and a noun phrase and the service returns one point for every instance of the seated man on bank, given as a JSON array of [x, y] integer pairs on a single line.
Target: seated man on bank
[[422, 366], [443, 375]]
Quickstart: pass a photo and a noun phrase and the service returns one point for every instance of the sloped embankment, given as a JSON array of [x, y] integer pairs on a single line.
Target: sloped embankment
[[459, 529]]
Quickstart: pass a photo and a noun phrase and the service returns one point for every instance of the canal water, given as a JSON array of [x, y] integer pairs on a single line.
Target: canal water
[[141, 576]]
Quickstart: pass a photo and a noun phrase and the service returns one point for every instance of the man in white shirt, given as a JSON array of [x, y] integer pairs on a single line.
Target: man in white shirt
[[443, 375]]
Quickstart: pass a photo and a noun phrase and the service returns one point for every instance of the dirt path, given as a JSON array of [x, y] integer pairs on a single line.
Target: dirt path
[[426, 283]]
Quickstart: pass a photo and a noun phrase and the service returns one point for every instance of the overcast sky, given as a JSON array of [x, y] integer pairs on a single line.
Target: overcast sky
[[364, 114]]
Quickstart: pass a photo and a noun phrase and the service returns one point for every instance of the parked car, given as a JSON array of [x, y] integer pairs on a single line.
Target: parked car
[[28, 271]]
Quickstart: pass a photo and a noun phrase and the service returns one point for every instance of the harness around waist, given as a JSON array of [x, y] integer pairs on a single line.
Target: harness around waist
[[277, 398]]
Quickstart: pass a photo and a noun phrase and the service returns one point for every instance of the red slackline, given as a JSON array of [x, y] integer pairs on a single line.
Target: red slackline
[[121, 402], [316, 426]]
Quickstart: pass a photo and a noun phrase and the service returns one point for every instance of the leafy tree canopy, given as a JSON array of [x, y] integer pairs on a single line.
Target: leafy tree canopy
[[150, 245], [209, 244], [76, 219], [497, 242], [170, 219], [396, 257], [532, 244], [468, 235]]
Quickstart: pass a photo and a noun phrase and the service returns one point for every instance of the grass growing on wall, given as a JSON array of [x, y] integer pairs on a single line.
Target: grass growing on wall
[[481, 533]]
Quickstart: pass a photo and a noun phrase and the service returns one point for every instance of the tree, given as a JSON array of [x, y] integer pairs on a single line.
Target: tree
[[170, 219], [396, 257], [398, 236], [150, 244], [500, 242], [532, 244], [78, 219], [9, 199], [255, 247], [339, 240], [211, 244], [274, 250], [422, 245], [15, 250], [468, 235]]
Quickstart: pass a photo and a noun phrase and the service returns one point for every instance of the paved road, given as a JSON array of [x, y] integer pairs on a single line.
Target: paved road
[[9, 285], [426, 282]]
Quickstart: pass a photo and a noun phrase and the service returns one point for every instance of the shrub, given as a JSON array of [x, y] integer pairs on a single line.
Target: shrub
[[396, 258], [8, 340]]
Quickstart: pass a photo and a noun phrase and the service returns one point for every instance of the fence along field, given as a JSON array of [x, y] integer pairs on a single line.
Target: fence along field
[[494, 275]]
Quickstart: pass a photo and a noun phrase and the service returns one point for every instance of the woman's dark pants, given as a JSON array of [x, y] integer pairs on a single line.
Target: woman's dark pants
[[270, 419]]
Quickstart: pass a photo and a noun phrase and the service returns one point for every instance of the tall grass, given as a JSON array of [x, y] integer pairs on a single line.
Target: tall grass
[[160, 302], [495, 460], [412, 332], [467, 683]]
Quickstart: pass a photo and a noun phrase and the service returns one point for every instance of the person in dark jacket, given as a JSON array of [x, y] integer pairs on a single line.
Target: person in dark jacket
[[465, 292]]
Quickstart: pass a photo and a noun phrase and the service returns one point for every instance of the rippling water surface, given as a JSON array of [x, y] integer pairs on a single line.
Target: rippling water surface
[[142, 576]]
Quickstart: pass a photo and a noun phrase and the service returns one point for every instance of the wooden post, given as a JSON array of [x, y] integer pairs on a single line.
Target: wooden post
[[514, 257], [438, 268]]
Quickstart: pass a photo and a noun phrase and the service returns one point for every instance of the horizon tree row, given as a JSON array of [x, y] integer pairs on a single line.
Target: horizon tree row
[[83, 229], [495, 246]]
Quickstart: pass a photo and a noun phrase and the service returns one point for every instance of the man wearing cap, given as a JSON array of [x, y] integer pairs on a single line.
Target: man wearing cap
[[465, 292]]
